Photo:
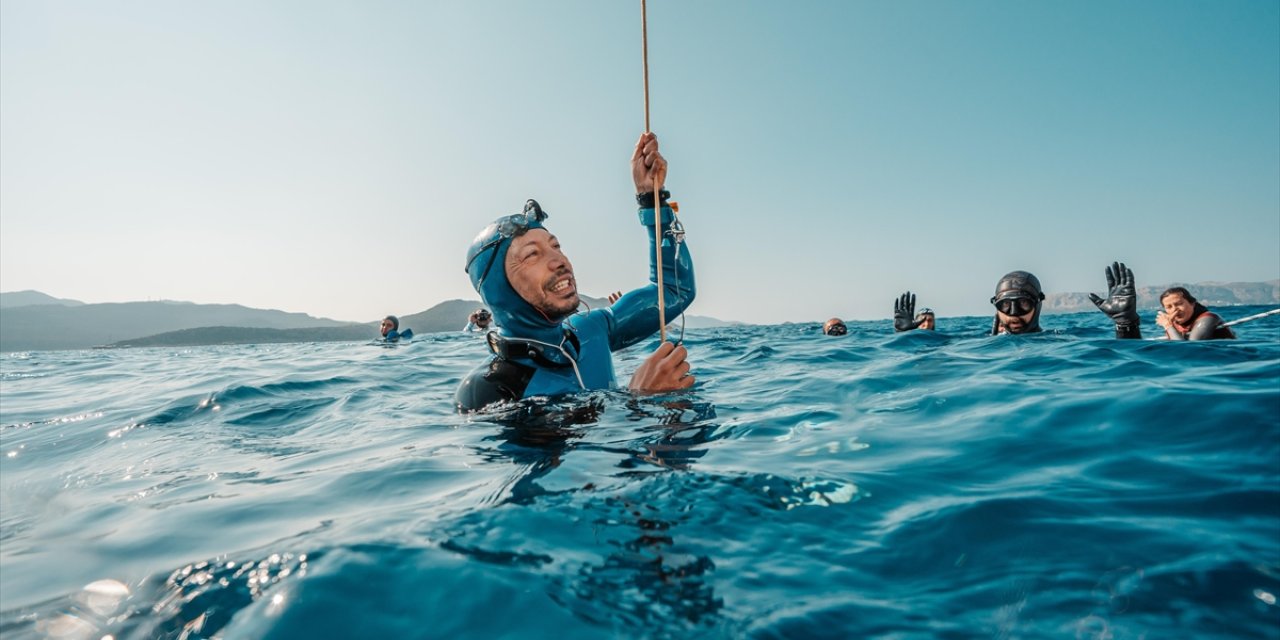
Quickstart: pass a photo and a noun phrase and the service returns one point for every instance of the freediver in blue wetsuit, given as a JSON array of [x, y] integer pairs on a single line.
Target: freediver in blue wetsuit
[[546, 348], [390, 329]]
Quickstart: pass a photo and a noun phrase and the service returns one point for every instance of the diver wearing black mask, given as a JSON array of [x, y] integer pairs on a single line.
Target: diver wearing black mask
[[1017, 301], [1019, 298]]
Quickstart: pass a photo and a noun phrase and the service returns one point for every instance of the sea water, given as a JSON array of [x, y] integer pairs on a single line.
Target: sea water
[[920, 485]]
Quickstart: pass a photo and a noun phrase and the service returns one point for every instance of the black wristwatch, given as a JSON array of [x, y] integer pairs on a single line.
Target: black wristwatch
[[646, 199]]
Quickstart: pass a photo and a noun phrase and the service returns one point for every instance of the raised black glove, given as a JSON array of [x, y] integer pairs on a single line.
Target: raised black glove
[[1121, 304], [904, 313]]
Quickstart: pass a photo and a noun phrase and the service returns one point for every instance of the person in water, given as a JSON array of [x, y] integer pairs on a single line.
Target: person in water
[[391, 330], [1017, 301], [1019, 298], [479, 321], [927, 320], [543, 347], [835, 327], [1184, 318], [905, 317]]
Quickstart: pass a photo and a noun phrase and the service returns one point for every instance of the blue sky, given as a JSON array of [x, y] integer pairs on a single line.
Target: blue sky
[[338, 158]]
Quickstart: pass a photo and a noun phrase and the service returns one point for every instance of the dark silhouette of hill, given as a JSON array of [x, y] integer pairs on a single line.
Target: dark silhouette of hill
[[251, 335], [35, 321], [37, 327], [30, 298]]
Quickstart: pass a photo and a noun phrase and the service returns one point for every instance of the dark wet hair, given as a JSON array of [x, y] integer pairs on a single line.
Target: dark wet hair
[[1182, 291], [395, 322]]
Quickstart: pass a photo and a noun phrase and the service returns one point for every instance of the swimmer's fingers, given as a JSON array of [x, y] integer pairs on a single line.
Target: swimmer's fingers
[[1097, 302], [1111, 279], [904, 313], [679, 366], [658, 170], [905, 304], [675, 355], [664, 370], [647, 164], [642, 144], [663, 350]]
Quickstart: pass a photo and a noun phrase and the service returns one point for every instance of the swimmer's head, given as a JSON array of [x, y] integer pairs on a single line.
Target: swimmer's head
[[389, 324], [1179, 304], [926, 319], [517, 267], [835, 327], [1017, 301]]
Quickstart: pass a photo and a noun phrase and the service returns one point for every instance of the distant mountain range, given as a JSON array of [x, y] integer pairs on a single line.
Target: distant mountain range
[[1211, 294], [34, 321], [79, 326], [29, 298]]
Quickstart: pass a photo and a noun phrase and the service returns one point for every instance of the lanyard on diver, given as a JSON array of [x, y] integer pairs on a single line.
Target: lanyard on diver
[[508, 348]]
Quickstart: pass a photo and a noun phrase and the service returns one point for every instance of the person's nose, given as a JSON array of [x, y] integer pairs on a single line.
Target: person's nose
[[557, 261]]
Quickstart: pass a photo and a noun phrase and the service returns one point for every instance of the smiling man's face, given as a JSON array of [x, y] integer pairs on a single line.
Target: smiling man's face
[[541, 274]]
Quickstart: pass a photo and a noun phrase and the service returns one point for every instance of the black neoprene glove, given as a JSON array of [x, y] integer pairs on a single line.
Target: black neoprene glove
[[1121, 304], [904, 313]]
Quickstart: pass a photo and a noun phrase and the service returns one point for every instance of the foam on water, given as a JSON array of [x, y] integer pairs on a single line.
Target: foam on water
[[915, 485]]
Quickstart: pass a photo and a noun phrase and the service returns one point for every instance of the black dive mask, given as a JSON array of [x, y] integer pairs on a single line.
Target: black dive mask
[[1019, 306]]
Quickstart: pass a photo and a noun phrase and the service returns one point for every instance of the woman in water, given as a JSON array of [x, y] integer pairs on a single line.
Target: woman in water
[[1185, 319]]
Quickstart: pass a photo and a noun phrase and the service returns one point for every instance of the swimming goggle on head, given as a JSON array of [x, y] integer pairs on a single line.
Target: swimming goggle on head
[[505, 228]]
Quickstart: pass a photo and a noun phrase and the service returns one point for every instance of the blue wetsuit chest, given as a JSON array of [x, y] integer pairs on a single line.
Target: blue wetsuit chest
[[594, 361]]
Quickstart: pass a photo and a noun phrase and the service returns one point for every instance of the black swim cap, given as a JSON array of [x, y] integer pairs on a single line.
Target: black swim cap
[[1018, 284], [395, 322]]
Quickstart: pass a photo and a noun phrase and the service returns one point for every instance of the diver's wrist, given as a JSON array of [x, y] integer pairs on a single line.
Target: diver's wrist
[[645, 198], [649, 216]]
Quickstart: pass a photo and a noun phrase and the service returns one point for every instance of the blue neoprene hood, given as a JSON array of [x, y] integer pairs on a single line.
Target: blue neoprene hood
[[515, 317]]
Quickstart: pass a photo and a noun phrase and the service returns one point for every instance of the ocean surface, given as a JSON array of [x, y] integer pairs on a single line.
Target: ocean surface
[[921, 485]]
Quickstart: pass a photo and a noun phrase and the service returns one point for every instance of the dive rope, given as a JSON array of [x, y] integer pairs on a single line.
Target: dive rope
[[657, 205], [1252, 317]]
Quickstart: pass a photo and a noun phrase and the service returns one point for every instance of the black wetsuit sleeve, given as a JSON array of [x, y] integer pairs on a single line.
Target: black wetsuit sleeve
[[495, 381], [1204, 327], [1128, 331]]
